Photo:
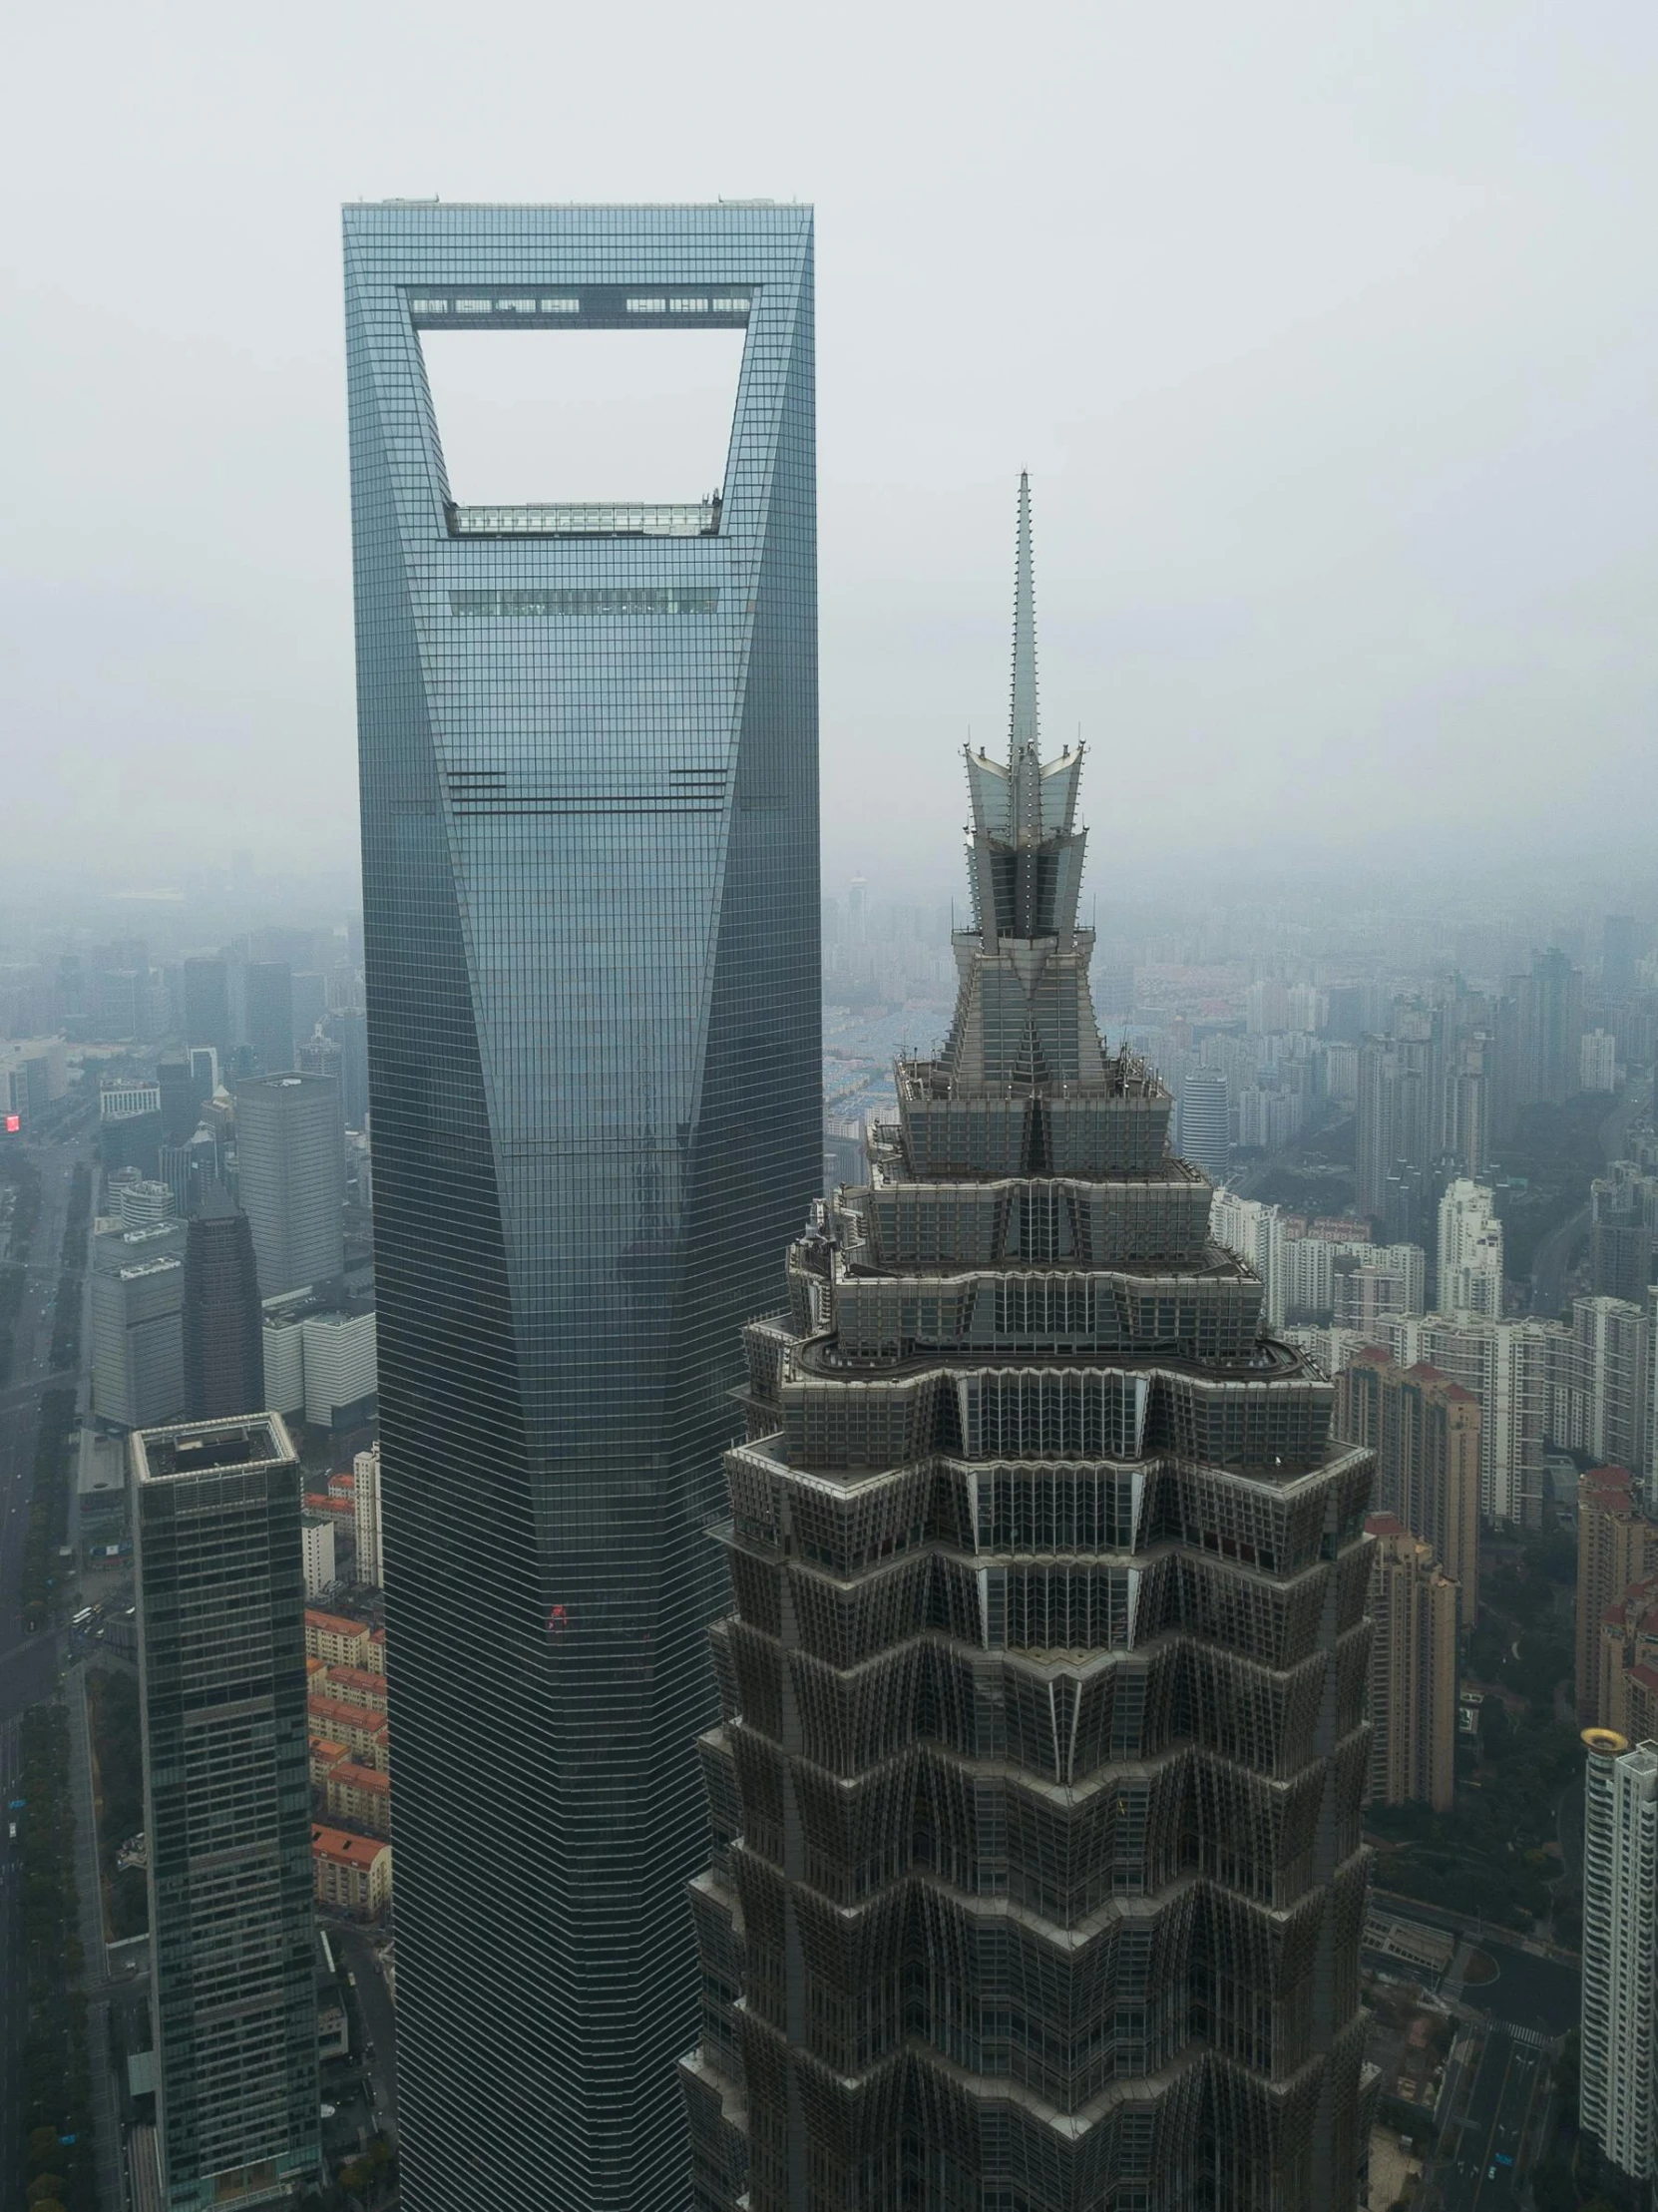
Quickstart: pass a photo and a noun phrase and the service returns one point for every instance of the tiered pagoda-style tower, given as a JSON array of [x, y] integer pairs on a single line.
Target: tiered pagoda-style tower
[[1037, 1881]]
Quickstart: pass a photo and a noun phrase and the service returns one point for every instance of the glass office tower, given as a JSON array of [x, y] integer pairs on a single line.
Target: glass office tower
[[1038, 1883], [227, 1812], [589, 750]]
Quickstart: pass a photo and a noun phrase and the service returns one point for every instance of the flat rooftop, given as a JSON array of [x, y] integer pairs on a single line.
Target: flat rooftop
[[186, 1448]]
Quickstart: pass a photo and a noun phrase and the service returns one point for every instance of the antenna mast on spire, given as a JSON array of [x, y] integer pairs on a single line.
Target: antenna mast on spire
[[1021, 730]]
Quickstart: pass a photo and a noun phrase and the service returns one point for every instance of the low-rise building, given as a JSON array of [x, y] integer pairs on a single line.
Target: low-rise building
[[363, 1733], [359, 1796], [336, 1638], [355, 1685], [352, 1873], [326, 1755]]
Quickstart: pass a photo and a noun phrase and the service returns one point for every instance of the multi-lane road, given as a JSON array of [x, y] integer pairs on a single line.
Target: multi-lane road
[[29, 1664], [1487, 2148]]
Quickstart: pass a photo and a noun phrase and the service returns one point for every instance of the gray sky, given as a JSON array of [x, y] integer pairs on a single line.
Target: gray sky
[[1326, 330]]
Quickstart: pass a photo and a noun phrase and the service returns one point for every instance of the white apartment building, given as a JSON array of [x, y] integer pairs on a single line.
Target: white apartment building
[[1254, 1231], [1469, 1273], [365, 1469], [1598, 1061], [1610, 1383], [1309, 1277], [1620, 1957], [1514, 1369], [316, 1545]]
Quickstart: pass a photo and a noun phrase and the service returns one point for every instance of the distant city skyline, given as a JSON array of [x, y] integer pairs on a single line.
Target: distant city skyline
[[1330, 345]]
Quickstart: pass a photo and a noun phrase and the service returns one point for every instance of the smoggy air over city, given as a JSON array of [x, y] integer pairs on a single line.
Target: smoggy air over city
[[828, 1146]]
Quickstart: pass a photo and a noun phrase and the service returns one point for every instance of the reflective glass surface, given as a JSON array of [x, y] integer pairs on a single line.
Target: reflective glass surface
[[589, 850]]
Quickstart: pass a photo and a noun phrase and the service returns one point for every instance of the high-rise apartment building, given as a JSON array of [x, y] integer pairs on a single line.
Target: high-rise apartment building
[[1617, 1545], [1598, 1061], [1413, 1670], [1424, 1432], [1627, 1693], [290, 1178], [1623, 1207], [1398, 1120], [222, 1345], [1469, 1270], [1049, 1605], [1516, 1370], [589, 771], [365, 1508], [1550, 1029], [1619, 2096], [1256, 1232], [222, 1667], [1466, 1100], [268, 988], [1610, 1380], [1622, 941], [1369, 1287]]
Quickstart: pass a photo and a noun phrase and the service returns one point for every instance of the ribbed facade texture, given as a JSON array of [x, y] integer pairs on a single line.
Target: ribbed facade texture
[[1618, 2093], [227, 1794], [1037, 1880], [290, 1178], [589, 767]]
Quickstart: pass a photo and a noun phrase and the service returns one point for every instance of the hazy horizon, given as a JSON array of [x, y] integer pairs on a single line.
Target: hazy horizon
[[1328, 342]]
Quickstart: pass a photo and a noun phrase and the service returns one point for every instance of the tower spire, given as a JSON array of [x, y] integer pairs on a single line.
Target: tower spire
[[1022, 731]]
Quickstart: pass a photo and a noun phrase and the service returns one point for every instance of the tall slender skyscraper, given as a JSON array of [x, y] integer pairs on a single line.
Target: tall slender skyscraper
[[207, 988], [223, 1341], [1038, 1877], [269, 989], [591, 932], [222, 1668], [1618, 2097]]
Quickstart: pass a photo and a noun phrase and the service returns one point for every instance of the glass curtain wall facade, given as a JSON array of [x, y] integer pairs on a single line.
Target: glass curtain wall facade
[[1038, 1882], [227, 1810], [589, 755]]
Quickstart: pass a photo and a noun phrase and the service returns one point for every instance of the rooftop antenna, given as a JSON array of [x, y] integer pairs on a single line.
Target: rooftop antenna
[[1022, 720]]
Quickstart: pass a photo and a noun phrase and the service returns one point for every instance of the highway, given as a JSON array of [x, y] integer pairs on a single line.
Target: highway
[[28, 1663], [1486, 2153]]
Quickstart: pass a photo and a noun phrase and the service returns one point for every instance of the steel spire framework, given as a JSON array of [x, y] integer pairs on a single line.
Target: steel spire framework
[[1037, 1880]]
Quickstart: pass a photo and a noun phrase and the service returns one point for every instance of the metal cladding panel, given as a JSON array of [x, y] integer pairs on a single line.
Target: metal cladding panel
[[590, 842]]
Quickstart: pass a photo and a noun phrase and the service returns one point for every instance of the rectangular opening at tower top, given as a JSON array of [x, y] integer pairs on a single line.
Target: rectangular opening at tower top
[[557, 416]]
